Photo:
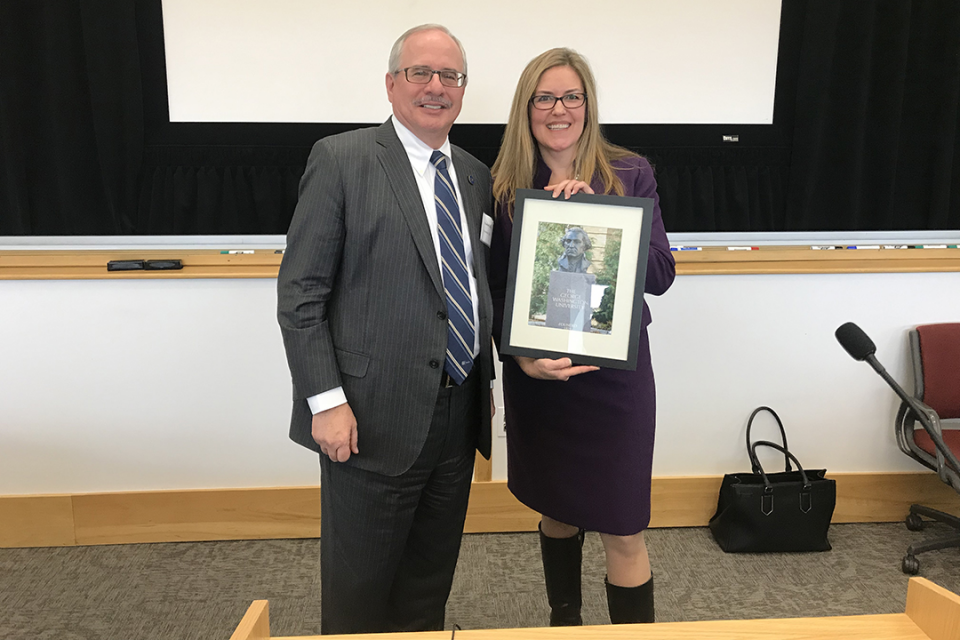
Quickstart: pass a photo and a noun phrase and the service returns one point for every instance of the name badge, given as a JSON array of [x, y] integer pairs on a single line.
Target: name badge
[[486, 230]]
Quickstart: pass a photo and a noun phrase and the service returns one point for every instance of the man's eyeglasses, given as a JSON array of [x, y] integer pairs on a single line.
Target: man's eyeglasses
[[423, 75], [570, 101]]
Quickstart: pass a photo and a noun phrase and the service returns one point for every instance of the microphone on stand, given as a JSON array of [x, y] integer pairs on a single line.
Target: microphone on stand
[[860, 347]]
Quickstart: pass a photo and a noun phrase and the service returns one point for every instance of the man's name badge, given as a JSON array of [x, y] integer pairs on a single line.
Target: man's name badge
[[486, 230]]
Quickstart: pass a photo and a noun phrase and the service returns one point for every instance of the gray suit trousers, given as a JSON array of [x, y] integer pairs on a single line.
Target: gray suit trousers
[[389, 544]]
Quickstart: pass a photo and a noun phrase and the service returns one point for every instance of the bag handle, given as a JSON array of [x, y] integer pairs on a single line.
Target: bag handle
[[768, 486], [766, 500], [754, 462]]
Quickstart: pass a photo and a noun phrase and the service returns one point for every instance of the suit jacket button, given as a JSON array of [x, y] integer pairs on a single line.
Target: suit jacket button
[[434, 364], [442, 315]]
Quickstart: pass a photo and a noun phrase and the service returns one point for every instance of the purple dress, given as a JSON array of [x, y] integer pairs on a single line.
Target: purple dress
[[581, 451]]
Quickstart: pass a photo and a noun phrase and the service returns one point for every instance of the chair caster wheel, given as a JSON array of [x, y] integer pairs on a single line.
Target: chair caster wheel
[[910, 565], [914, 522]]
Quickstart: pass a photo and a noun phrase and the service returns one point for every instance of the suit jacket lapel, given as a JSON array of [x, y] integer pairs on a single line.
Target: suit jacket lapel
[[393, 158]]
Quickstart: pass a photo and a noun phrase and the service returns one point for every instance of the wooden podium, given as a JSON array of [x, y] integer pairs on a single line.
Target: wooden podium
[[932, 613]]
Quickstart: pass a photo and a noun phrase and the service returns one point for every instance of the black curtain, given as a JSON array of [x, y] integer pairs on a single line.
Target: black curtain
[[864, 134], [877, 109], [71, 117], [706, 189], [198, 190]]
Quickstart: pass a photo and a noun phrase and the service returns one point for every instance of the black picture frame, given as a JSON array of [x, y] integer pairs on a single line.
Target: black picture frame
[[545, 315]]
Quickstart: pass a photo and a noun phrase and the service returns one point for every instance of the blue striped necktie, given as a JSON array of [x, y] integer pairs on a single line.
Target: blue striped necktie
[[456, 281]]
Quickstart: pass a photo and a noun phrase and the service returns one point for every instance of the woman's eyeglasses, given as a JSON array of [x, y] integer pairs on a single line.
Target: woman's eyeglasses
[[545, 102]]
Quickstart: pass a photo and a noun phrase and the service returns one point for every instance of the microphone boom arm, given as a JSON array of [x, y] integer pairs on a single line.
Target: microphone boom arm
[[928, 418]]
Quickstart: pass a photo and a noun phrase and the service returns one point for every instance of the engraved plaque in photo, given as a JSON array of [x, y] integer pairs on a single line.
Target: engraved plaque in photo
[[568, 300]]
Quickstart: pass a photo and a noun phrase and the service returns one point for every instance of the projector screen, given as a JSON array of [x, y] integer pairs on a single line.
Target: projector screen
[[317, 61]]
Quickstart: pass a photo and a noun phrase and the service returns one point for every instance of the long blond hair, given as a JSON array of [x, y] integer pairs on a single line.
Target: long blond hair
[[516, 162]]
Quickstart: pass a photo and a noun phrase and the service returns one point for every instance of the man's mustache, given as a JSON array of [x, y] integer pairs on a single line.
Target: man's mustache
[[437, 99]]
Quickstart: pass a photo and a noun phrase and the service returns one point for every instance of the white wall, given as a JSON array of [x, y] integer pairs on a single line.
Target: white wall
[[112, 385], [723, 345], [161, 384]]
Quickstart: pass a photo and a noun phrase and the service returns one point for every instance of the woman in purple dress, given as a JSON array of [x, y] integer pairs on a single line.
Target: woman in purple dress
[[579, 439]]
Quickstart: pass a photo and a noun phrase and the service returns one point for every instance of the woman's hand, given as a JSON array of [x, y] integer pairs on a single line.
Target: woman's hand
[[568, 188], [546, 369]]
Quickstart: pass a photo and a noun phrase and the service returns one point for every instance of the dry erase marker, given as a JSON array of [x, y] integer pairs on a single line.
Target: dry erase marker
[[682, 248], [933, 246], [743, 248], [863, 246], [896, 246], [825, 247], [234, 252]]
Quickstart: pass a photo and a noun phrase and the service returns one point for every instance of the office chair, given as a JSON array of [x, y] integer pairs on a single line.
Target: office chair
[[935, 351]]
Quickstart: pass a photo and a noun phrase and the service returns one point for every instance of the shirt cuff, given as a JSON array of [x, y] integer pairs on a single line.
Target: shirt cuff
[[326, 400]]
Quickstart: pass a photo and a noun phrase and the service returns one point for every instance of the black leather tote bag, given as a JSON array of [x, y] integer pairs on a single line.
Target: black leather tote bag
[[786, 511]]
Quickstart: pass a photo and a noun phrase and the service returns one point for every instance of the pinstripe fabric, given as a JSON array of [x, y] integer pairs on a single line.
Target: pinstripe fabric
[[361, 305], [360, 295], [456, 284], [389, 545]]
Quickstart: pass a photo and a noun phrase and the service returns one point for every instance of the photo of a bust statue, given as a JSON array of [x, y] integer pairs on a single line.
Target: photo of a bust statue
[[575, 290], [575, 243]]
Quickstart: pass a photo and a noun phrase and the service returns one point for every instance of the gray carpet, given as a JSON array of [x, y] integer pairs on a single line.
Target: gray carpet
[[201, 590]]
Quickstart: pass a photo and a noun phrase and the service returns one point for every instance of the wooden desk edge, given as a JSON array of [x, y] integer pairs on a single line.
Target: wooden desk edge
[[935, 610], [255, 624], [931, 612]]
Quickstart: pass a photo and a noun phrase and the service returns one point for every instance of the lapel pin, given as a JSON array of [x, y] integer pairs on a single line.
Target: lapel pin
[[470, 179]]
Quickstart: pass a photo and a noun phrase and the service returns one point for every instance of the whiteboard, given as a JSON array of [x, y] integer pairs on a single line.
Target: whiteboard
[[317, 61]]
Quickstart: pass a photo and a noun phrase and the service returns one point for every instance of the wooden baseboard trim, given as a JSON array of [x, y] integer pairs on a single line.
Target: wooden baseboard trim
[[210, 514], [294, 512], [36, 521]]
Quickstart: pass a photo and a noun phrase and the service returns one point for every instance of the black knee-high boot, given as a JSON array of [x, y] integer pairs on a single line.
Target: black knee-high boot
[[630, 604], [561, 572]]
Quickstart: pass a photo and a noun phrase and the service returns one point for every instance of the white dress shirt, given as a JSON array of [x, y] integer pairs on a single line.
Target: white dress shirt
[[425, 175]]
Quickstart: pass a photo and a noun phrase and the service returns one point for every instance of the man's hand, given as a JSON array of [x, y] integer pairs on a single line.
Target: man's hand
[[546, 369], [335, 430]]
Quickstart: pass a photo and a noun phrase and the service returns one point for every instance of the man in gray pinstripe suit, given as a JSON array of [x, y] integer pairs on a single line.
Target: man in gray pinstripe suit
[[364, 314]]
